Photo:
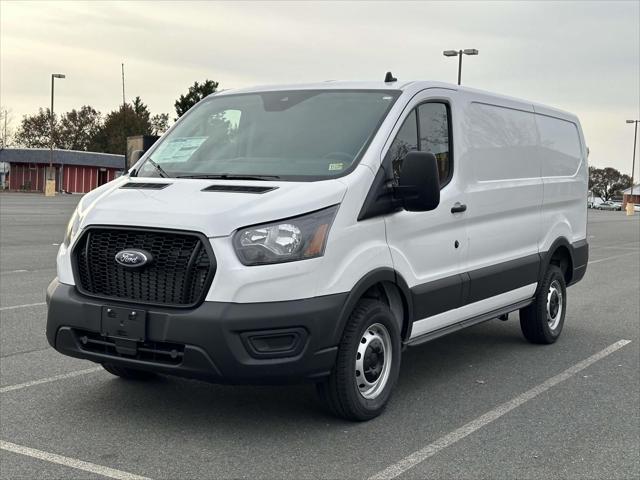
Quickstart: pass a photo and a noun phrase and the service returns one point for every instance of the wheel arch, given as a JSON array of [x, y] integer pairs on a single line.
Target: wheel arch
[[560, 253], [385, 284]]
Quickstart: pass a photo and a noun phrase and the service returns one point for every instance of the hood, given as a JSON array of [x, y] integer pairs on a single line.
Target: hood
[[184, 204]]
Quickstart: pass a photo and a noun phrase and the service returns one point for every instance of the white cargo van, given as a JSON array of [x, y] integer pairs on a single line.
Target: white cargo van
[[313, 232]]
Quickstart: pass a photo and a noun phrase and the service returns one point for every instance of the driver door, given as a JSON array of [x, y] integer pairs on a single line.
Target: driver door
[[427, 247]]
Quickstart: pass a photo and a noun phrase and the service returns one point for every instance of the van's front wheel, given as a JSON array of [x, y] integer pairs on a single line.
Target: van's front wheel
[[368, 363]]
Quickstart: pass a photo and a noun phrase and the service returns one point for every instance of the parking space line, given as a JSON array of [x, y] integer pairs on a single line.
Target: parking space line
[[26, 305], [12, 272], [55, 378], [449, 439], [591, 262], [70, 462]]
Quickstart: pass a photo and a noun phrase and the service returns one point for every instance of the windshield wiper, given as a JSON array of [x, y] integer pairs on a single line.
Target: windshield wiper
[[158, 168], [230, 176]]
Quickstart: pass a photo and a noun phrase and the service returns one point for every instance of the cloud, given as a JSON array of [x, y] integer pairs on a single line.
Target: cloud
[[580, 56]]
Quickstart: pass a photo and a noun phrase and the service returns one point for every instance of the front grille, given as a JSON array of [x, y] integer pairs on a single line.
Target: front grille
[[179, 274], [156, 352]]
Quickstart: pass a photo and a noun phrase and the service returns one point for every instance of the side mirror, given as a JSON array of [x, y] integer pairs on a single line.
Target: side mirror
[[419, 183]]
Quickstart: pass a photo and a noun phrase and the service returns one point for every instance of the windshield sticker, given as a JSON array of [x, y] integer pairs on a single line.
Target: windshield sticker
[[177, 150], [336, 166]]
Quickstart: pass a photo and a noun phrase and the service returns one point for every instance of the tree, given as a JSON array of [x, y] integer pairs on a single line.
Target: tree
[[129, 120], [34, 130], [159, 123], [141, 110], [84, 129], [607, 182], [196, 92], [77, 128], [74, 130]]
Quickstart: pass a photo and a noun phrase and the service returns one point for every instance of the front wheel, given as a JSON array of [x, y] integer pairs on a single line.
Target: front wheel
[[367, 365], [542, 321]]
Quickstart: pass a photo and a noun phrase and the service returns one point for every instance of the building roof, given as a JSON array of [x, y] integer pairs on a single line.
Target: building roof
[[636, 189], [64, 157]]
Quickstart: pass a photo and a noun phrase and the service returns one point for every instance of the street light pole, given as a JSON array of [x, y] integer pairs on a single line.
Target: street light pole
[[635, 141], [459, 53], [53, 77], [50, 176]]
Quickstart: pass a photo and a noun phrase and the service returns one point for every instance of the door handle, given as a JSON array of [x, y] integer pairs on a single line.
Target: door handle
[[458, 207]]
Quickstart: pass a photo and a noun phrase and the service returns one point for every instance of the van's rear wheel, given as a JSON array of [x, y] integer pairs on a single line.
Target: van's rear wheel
[[368, 363], [128, 373], [542, 321]]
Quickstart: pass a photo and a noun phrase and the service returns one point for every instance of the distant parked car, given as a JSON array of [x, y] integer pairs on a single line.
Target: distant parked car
[[609, 206]]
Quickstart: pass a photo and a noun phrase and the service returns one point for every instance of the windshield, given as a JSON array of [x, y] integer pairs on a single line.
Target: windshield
[[288, 135]]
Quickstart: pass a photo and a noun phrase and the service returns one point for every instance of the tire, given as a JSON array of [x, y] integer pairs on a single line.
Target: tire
[[367, 365], [542, 321], [128, 373]]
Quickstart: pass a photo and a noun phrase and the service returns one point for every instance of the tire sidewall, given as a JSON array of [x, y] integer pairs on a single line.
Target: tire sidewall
[[379, 313]]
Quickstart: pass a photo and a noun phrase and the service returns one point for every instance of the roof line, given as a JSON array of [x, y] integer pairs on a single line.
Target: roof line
[[39, 149]]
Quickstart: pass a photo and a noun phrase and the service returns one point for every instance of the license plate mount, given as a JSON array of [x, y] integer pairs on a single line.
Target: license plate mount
[[124, 323]]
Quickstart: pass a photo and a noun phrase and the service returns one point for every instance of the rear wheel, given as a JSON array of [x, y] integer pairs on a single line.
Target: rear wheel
[[367, 365], [542, 321], [128, 373]]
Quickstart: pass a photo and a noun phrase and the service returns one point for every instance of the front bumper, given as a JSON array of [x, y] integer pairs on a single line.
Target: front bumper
[[213, 342]]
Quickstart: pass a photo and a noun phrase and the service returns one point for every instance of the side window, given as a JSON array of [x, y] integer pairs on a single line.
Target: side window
[[405, 141], [434, 136]]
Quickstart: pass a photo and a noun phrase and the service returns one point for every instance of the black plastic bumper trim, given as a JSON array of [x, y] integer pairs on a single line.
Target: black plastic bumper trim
[[211, 335]]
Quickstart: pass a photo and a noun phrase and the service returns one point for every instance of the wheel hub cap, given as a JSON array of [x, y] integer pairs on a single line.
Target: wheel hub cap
[[373, 361], [554, 305]]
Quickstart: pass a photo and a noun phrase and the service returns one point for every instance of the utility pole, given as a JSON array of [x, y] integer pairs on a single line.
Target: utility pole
[[123, 97], [124, 122]]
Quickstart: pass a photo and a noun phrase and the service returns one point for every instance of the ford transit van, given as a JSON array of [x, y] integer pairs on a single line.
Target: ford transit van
[[313, 232]]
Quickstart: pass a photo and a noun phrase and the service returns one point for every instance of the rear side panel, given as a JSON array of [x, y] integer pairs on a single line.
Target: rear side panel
[[504, 188], [564, 176]]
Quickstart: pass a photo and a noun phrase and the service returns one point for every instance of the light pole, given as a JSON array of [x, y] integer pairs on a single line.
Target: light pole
[[53, 77], [459, 53], [633, 165]]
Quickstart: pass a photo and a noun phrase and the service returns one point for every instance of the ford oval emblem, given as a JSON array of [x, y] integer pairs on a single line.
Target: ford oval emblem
[[133, 258]]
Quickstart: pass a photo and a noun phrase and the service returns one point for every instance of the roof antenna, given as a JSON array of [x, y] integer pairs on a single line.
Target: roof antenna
[[388, 78]]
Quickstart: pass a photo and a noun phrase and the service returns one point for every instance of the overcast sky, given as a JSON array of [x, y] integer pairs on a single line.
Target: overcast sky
[[579, 56]]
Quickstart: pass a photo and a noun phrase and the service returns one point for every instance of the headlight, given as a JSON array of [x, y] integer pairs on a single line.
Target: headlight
[[72, 227], [297, 238]]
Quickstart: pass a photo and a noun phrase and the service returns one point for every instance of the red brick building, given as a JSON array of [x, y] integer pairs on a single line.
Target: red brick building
[[74, 172]]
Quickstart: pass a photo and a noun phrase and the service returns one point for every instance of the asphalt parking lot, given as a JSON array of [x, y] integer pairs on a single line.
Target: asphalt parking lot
[[548, 414]]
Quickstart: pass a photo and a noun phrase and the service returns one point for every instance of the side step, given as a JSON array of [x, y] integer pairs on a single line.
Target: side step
[[501, 313]]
